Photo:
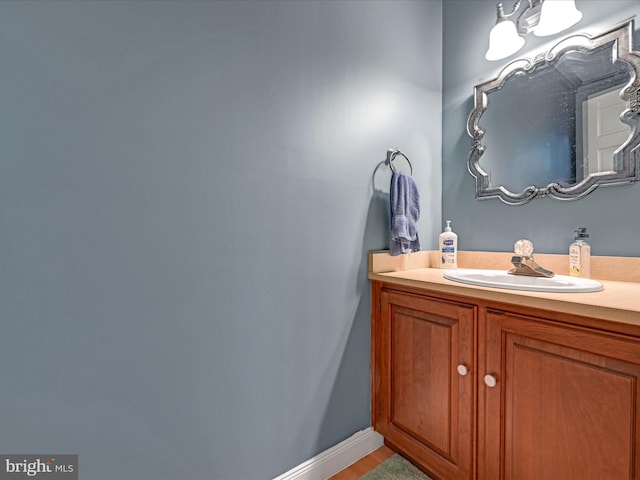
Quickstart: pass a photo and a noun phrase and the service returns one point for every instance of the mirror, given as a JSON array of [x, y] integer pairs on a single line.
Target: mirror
[[561, 124]]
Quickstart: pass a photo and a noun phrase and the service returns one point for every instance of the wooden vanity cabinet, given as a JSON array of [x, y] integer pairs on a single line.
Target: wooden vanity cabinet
[[566, 401], [424, 382], [539, 395]]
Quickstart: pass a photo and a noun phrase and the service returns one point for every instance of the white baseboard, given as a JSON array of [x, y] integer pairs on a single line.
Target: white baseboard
[[336, 458]]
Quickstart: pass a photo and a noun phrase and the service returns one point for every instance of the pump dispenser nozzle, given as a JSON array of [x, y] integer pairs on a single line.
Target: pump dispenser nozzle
[[581, 232]]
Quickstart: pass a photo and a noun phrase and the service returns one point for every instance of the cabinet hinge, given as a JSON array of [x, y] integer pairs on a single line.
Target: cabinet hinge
[[379, 409]]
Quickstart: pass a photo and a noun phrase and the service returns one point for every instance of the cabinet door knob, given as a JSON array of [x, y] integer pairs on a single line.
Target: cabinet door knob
[[490, 381], [462, 369]]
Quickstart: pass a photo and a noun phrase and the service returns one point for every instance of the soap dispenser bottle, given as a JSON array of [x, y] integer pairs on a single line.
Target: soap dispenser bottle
[[448, 248], [580, 255]]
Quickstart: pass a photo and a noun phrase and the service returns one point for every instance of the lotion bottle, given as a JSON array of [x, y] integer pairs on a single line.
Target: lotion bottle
[[580, 255], [448, 248]]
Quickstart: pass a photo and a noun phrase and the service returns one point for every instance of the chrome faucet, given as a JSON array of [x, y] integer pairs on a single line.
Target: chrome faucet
[[523, 261]]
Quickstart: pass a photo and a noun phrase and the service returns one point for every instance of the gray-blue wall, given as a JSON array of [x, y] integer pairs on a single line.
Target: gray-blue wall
[[610, 214], [187, 196]]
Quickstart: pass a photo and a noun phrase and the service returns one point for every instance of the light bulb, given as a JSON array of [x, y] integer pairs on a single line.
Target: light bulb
[[556, 16], [503, 40]]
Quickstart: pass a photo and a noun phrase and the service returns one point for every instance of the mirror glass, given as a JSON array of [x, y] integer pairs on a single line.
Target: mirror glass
[[559, 125]]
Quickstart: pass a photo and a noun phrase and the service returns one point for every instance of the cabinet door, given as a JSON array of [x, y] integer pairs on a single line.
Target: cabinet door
[[565, 404], [426, 403]]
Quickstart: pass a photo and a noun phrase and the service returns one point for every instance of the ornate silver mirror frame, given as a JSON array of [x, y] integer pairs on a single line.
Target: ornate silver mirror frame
[[626, 158]]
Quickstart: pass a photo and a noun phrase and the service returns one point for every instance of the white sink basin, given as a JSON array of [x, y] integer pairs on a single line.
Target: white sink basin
[[501, 279]]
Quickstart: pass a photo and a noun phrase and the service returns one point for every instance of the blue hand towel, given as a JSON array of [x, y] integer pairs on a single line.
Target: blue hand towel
[[405, 212]]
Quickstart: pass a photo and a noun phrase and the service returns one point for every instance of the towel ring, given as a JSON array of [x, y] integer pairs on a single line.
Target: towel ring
[[391, 156]]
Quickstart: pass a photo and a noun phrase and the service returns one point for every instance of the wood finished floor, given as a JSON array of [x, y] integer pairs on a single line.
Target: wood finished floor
[[362, 466]]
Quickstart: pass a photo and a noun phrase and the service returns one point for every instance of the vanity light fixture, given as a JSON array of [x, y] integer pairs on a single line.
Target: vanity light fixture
[[546, 17]]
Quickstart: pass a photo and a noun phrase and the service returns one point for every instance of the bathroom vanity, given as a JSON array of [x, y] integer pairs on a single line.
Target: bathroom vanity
[[481, 383]]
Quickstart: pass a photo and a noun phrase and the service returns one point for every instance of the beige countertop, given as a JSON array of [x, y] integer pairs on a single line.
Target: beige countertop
[[618, 301]]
